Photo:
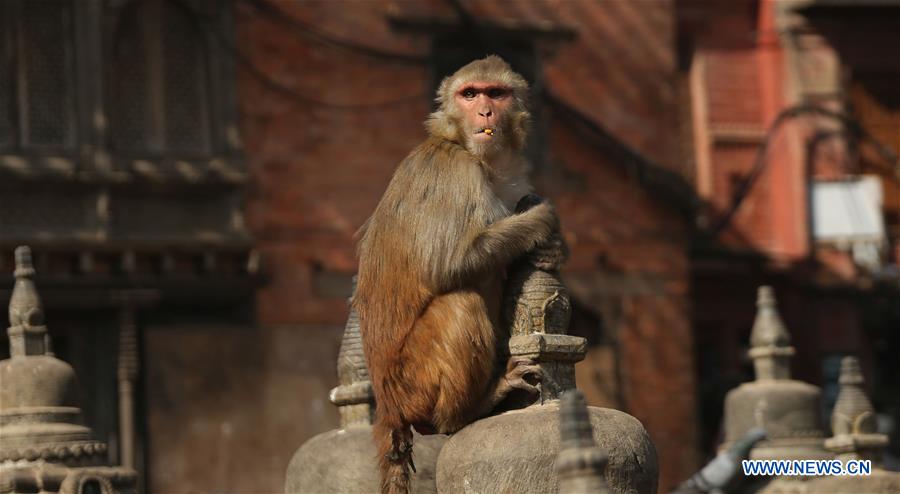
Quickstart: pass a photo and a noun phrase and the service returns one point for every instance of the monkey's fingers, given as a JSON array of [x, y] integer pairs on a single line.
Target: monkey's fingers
[[527, 202], [530, 374]]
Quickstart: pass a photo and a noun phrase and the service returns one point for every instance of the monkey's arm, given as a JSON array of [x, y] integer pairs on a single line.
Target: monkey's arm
[[498, 244]]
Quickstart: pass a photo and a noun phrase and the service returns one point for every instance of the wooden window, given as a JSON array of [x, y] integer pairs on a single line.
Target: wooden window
[[104, 85], [37, 75], [159, 80]]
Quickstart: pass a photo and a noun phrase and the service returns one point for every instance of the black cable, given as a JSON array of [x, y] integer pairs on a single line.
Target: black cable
[[214, 27], [276, 13], [759, 164]]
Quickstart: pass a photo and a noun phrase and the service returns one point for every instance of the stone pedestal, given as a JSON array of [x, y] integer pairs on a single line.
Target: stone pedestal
[[517, 451]]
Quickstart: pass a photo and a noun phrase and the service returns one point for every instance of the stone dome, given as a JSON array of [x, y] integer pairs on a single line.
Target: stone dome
[[343, 461], [517, 451], [36, 381], [787, 409]]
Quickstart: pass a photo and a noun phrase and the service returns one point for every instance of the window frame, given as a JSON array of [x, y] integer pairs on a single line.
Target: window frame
[[91, 155]]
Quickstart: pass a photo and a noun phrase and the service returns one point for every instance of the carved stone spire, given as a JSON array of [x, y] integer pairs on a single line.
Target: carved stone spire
[[770, 342], [27, 333], [353, 396], [853, 419], [580, 463]]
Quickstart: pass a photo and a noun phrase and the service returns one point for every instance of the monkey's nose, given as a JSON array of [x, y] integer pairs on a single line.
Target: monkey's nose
[[486, 112]]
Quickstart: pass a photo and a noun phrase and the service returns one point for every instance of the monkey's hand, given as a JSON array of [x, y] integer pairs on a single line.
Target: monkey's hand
[[550, 254]]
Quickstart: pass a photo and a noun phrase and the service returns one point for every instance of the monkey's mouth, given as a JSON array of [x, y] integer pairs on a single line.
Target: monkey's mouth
[[486, 130]]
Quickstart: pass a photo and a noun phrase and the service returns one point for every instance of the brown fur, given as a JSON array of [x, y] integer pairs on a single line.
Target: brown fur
[[432, 261]]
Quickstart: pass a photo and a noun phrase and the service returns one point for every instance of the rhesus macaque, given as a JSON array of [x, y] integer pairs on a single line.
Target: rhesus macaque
[[432, 264]]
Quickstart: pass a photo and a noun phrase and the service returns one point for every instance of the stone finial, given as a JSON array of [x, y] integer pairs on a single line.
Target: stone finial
[[769, 340], [853, 418], [580, 463], [27, 333], [353, 395]]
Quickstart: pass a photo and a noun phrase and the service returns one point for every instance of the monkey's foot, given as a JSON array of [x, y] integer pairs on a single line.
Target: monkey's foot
[[523, 374]]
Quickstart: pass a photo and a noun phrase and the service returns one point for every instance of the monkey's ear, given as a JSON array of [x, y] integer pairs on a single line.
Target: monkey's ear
[[519, 123], [441, 125]]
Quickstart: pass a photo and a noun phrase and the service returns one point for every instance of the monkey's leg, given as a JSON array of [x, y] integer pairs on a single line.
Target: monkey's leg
[[451, 356]]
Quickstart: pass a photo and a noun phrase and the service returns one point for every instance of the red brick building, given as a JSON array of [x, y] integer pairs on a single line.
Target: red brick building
[[213, 178], [793, 111]]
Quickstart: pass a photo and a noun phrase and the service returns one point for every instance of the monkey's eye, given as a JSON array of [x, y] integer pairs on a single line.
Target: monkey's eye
[[496, 93], [468, 93]]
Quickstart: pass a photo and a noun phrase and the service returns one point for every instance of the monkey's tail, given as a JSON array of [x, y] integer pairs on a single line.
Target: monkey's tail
[[394, 443]]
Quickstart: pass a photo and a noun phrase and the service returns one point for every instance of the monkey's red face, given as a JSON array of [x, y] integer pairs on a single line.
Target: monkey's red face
[[484, 106]]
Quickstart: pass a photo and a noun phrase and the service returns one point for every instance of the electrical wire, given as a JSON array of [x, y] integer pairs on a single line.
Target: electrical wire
[[279, 15], [760, 161], [213, 26]]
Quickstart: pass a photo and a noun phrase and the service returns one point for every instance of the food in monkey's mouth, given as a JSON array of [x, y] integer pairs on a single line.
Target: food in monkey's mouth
[[487, 130]]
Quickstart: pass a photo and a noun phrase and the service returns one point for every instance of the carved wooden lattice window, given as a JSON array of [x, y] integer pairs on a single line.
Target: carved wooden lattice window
[[37, 75], [159, 81], [105, 83]]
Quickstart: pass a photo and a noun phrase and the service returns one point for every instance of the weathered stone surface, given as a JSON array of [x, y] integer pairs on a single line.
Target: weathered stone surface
[[516, 452], [344, 462]]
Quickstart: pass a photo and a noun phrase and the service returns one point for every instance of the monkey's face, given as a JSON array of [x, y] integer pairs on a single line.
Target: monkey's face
[[484, 108]]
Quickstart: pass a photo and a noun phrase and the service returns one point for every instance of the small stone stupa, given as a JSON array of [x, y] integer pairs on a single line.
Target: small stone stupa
[[516, 451], [43, 445], [344, 460], [856, 438], [788, 410]]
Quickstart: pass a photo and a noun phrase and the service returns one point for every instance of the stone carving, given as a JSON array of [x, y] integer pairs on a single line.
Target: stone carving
[[856, 438], [516, 451], [788, 410], [580, 462], [344, 460], [537, 311], [853, 419], [45, 447]]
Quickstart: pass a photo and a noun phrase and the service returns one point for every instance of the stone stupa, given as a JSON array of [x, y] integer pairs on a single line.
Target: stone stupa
[[516, 451], [344, 460], [856, 438], [788, 410], [44, 447]]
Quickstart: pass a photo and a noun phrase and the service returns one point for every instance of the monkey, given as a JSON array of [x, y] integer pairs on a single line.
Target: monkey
[[432, 264]]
